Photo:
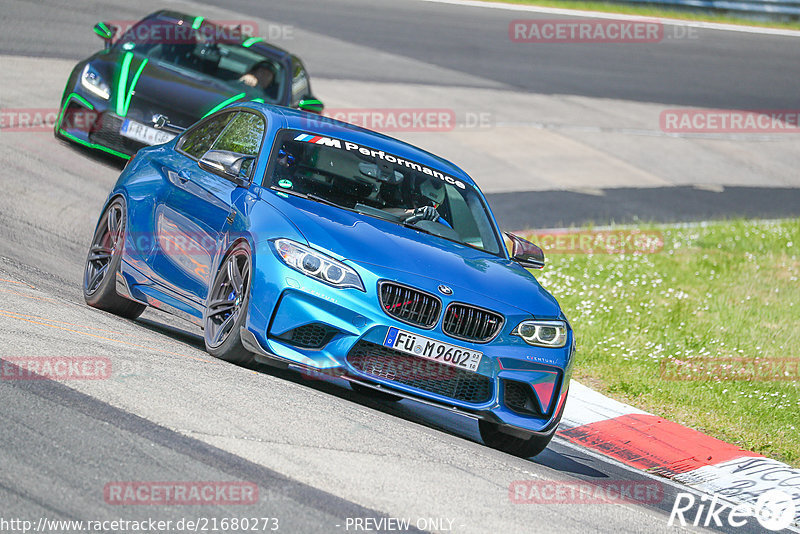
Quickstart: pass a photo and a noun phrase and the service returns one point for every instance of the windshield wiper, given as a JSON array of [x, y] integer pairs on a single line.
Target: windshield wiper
[[418, 229], [323, 200], [309, 196], [458, 241], [393, 219]]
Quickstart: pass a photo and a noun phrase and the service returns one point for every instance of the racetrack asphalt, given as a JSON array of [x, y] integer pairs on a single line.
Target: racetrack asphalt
[[534, 209], [319, 454]]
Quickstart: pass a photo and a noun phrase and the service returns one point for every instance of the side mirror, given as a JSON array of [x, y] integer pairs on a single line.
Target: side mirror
[[106, 32], [526, 253], [226, 164], [161, 122], [312, 105]]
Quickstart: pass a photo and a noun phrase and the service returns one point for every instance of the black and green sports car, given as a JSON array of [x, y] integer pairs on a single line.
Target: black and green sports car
[[178, 68]]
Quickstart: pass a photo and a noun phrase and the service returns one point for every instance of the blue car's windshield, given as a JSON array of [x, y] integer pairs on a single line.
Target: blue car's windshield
[[382, 185], [209, 51]]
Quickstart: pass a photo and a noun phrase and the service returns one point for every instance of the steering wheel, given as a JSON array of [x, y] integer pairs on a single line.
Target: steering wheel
[[423, 213]]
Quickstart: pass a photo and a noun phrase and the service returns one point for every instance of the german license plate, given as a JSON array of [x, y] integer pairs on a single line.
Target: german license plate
[[143, 133], [424, 347]]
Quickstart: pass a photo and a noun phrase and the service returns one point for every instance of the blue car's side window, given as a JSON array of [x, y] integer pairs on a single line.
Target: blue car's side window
[[199, 139]]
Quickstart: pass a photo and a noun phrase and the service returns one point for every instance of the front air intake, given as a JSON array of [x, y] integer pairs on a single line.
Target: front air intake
[[519, 397], [426, 375], [310, 336]]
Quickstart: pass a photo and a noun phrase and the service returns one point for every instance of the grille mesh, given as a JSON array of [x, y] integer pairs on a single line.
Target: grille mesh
[[519, 397], [473, 324], [310, 336], [410, 305], [427, 375], [108, 135]]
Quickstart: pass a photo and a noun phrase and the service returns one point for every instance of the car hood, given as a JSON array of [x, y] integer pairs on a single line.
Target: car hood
[[373, 242], [181, 94]]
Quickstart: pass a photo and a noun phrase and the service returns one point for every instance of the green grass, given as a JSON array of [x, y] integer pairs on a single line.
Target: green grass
[[655, 11], [714, 292]]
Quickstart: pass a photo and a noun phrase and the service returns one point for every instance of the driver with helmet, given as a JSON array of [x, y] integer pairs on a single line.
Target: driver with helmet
[[429, 195]]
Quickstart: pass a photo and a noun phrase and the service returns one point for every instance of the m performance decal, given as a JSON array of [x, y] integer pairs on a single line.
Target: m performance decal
[[319, 140], [378, 154]]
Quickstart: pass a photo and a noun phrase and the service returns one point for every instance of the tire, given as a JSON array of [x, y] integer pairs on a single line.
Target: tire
[[102, 264], [522, 447], [374, 393], [226, 308]]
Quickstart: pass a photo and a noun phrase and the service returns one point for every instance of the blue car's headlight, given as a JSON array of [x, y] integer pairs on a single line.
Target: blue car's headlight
[[93, 82], [316, 264], [542, 333]]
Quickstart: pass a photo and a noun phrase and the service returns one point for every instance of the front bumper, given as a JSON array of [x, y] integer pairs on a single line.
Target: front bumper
[[89, 123], [342, 335]]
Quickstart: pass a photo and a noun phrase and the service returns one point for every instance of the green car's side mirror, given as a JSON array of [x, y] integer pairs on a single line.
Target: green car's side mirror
[[311, 105], [106, 32]]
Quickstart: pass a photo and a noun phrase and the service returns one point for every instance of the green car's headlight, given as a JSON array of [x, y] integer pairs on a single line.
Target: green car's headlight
[[542, 333], [316, 264], [93, 82]]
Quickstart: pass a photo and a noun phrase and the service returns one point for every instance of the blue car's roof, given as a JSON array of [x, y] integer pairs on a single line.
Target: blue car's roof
[[295, 119]]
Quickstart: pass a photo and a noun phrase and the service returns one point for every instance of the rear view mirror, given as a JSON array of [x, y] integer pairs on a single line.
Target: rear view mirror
[[311, 105], [526, 253], [226, 164], [106, 32], [387, 174]]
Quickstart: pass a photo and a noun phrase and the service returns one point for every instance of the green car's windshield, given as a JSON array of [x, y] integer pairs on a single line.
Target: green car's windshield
[[375, 183], [207, 52]]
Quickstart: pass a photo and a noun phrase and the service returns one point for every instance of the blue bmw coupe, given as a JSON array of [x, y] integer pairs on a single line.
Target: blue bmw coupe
[[327, 248]]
